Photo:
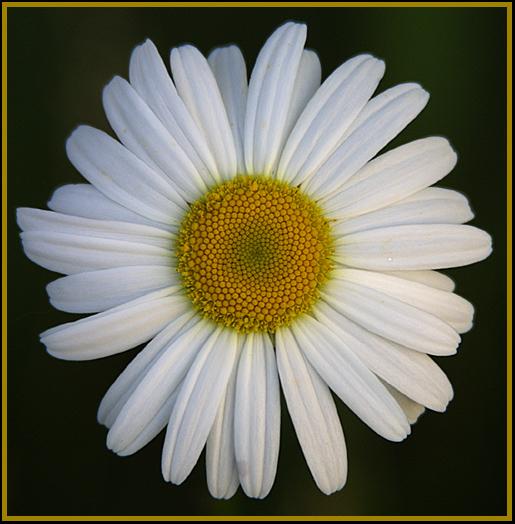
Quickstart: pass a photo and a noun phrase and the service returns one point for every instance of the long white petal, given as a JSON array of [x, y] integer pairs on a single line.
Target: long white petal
[[221, 471], [411, 372], [158, 384], [96, 291], [149, 77], [85, 200], [451, 308], [433, 205], [30, 219], [197, 404], [121, 176], [376, 105], [411, 409], [395, 320], [350, 379], [257, 416], [328, 115], [152, 429], [307, 82], [414, 247], [123, 387], [198, 89], [228, 66], [393, 176], [65, 253], [114, 330], [427, 277], [313, 413], [142, 132], [366, 140], [269, 99]]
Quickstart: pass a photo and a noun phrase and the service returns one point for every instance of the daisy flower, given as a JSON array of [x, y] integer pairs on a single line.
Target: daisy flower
[[245, 232]]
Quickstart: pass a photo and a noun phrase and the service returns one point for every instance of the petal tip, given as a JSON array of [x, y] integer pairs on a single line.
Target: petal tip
[[21, 213], [116, 83], [333, 487], [165, 469], [221, 495], [422, 95], [381, 65]]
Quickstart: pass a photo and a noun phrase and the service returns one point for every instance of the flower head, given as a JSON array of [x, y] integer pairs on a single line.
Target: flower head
[[245, 232]]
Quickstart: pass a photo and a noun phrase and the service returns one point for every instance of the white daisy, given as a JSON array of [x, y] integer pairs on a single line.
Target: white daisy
[[244, 231]]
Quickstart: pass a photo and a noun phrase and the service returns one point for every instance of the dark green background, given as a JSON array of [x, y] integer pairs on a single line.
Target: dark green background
[[454, 463]]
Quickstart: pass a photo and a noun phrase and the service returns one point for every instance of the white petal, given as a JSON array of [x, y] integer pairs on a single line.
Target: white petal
[[65, 253], [158, 383], [429, 206], [257, 416], [30, 219], [114, 330], [307, 82], [450, 308], [270, 96], [413, 247], [123, 387], [221, 472], [121, 176], [198, 89], [393, 176], [141, 132], [152, 429], [85, 200], [412, 372], [427, 277], [228, 66], [328, 115], [390, 318], [366, 140], [149, 77], [197, 404], [350, 379], [313, 414], [411, 409], [96, 291], [379, 102]]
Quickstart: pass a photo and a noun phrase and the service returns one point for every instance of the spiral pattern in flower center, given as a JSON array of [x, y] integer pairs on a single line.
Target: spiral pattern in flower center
[[253, 253]]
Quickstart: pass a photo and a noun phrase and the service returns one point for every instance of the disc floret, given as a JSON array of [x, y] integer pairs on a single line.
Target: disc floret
[[253, 253]]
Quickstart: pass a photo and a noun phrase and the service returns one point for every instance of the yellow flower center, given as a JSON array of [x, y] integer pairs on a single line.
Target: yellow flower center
[[253, 253]]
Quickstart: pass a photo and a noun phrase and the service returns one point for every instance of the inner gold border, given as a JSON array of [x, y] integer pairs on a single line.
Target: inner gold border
[[508, 517]]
